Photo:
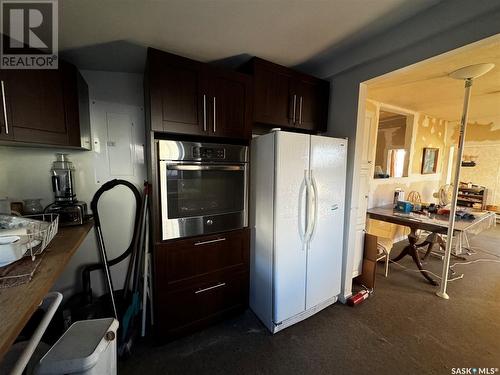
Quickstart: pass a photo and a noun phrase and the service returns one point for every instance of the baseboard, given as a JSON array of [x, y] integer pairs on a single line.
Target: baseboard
[[303, 315], [344, 297]]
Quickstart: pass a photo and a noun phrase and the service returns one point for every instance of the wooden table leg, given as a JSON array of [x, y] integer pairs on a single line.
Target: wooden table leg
[[412, 250]]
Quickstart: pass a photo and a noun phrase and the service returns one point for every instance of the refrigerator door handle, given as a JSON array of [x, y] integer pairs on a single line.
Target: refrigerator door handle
[[303, 191], [314, 205], [309, 205]]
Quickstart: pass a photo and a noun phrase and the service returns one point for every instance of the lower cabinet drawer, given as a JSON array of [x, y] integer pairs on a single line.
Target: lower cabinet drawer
[[187, 309], [179, 261]]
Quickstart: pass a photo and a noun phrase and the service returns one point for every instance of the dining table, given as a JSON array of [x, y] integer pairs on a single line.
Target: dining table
[[436, 225]]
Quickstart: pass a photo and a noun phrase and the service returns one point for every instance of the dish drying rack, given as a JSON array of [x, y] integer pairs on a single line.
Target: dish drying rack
[[40, 230]]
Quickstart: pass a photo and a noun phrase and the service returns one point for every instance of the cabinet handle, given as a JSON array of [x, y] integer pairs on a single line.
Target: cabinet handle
[[204, 113], [300, 110], [294, 107], [4, 109], [209, 241], [209, 288], [215, 110]]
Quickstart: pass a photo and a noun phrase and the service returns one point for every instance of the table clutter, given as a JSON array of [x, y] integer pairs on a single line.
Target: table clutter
[[431, 221]]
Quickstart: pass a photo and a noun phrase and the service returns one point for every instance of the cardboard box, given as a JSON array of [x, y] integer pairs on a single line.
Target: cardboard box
[[369, 270]]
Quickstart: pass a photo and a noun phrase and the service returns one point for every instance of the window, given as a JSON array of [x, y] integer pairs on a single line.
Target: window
[[396, 164]]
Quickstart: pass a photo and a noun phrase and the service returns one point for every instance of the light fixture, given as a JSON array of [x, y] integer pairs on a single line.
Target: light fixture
[[471, 71], [468, 74]]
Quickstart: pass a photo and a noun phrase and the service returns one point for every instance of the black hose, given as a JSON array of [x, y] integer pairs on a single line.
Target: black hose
[[133, 243]]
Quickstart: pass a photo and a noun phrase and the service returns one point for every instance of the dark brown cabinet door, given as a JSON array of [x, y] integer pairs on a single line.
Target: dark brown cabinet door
[[273, 94], [6, 132], [189, 97], [35, 104], [178, 94], [230, 105], [183, 260], [312, 104], [185, 310], [287, 98], [198, 280], [42, 106]]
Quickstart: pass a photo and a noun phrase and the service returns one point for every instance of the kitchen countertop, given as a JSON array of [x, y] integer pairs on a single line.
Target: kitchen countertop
[[18, 304]]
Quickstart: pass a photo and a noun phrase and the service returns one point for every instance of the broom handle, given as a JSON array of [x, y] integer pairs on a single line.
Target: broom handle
[[100, 242]]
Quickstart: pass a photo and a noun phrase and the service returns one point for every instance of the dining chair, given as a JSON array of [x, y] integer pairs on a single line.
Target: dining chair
[[387, 235]]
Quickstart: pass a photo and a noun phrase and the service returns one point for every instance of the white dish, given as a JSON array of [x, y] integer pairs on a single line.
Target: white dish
[[6, 240], [12, 252], [25, 236]]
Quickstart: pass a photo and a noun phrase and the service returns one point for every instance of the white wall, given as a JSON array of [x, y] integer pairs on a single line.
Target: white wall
[[446, 26], [382, 190], [24, 172]]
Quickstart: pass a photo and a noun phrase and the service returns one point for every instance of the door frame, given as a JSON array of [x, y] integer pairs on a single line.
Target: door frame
[[351, 210]]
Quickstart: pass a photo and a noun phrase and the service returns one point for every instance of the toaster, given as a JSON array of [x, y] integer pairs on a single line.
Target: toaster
[[70, 213]]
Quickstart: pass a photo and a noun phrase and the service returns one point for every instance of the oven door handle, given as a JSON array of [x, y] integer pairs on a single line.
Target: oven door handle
[[198, 167]]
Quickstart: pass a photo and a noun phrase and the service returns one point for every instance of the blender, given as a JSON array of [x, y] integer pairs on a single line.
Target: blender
[[71, 211]]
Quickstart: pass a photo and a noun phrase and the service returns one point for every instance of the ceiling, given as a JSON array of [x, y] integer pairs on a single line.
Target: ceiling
[[425, 87], [288, 32]]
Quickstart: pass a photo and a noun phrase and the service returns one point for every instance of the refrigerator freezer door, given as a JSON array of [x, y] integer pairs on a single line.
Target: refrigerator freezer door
[[292, 162], [324, 258]]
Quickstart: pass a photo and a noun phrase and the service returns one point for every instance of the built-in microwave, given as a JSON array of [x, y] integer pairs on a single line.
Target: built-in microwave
[[203, 188]]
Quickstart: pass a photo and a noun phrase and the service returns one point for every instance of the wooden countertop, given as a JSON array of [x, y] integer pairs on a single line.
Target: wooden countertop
[[17, 304]]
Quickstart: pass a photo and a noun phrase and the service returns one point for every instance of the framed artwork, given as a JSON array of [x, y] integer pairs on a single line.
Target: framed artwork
[[429, 160]]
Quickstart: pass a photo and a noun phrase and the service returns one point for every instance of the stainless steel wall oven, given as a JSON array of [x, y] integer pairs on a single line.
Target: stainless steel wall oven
[[203, 188]]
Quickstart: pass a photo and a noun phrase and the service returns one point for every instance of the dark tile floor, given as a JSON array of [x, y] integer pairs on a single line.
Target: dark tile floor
[[402, 329]]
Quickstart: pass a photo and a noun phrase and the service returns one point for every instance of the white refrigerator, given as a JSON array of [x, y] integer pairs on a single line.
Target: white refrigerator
[[297, 219]]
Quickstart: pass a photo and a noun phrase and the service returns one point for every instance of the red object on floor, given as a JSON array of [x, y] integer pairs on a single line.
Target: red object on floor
[[358, 298]]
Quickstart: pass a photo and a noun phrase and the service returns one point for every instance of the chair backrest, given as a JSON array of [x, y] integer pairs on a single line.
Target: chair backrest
[[414, 197], [384, 229]]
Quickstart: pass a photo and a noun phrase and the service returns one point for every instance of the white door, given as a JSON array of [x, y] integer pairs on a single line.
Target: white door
[[365, 175], [369, 138], [292, 162], [359, 242], [324, 258]]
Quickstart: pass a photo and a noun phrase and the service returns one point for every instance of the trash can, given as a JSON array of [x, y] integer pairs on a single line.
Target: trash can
[[87, 347]]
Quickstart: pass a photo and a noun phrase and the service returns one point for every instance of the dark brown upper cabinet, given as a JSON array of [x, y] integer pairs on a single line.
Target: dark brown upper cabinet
[[312, 103], [286, 98], [45, 107], [190, 97], [6, 131], [230, 98], [175, 87], [273, 94]]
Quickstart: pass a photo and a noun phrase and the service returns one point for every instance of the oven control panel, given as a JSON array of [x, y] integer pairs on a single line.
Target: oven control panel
[[209, 153]]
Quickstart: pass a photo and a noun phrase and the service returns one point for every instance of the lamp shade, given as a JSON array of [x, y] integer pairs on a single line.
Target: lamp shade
[[472, 71]]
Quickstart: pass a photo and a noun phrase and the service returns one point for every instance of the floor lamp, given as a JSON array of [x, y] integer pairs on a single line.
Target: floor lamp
[[468, 74]]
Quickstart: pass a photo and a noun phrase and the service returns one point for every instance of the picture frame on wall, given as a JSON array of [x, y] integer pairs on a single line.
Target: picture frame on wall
[[429, 160]]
